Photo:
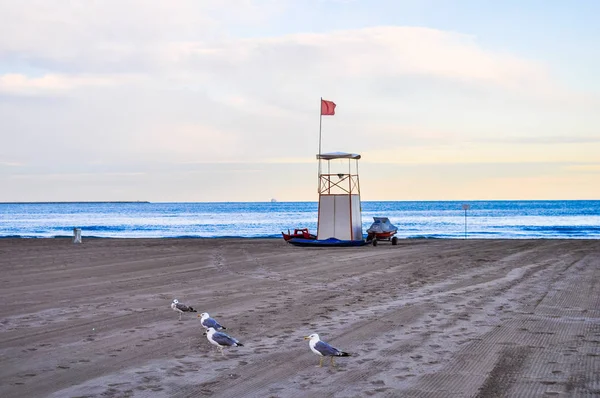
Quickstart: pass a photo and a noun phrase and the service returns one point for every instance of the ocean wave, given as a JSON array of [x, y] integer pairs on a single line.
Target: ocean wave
[[562, 229], [415, 220]]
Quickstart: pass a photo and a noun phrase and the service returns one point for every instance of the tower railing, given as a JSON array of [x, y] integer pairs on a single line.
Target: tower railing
[[339, 184]]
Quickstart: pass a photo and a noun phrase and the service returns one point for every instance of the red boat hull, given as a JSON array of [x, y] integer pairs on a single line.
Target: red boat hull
[[298, 233], [385, 235], [381, 235]]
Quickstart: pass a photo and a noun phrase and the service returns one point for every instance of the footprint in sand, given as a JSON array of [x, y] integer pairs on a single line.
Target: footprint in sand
[[174, 372], [117, 384], [361, 361], [151, 387]]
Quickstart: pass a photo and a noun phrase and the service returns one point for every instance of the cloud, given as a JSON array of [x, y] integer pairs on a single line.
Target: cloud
[[545, 139], [275, 67], [190, 42], [477, 153], [10, 164], [114, 36], [193, 141], [154, 86], [75, 176], [393, 51], [585, 168], [15, 83]]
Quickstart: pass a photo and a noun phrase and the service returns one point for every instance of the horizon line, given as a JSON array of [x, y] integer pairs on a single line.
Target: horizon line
[[294, 201]]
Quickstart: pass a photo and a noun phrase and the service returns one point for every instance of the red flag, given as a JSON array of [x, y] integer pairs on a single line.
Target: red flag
[[327, 107]]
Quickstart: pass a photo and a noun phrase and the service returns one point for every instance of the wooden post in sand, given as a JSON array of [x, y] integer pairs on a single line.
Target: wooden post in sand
[[76, 235], [465, 208]]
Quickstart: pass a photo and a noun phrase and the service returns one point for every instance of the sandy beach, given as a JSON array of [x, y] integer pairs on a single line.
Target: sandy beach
[[426, 318]]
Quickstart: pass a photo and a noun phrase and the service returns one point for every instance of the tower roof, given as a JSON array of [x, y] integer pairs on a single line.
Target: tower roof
[[338, 155]]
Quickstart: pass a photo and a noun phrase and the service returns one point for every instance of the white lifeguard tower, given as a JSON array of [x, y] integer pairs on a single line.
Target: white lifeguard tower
[[339, 197]]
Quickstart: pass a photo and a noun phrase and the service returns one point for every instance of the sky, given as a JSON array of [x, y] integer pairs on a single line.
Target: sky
[[203, 100]]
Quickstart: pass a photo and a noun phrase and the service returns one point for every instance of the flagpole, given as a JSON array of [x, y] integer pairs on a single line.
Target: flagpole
[[320, 125], [320, 121]]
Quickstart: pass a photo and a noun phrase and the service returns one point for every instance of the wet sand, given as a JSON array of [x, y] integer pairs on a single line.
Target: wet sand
[[426, 318]]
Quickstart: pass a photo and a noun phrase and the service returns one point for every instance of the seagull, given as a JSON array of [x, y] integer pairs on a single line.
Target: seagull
[[181, 308], [323, 349], [209, 322], [221, 339]]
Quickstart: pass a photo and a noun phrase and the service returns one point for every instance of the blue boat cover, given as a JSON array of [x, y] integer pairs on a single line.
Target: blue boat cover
[[326, 242]]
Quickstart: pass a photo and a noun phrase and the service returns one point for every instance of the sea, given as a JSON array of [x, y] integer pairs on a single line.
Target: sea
[[556, 219]]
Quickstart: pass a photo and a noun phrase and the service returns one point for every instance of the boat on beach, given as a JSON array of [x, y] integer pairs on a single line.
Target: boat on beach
[[382, 229], [331, 242], [301, 233]]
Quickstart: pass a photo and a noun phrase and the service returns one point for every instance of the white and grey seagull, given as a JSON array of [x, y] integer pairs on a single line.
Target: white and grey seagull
[[209, 322], [181, 308], [323, 349], [221, 340]]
